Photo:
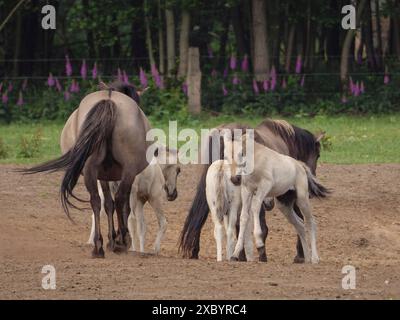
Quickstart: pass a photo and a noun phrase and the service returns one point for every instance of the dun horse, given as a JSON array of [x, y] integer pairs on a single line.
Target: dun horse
[[278, 135], [104, 139]]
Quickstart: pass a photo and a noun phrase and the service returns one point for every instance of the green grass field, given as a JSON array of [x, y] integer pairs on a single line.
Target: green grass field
[[368, 139]]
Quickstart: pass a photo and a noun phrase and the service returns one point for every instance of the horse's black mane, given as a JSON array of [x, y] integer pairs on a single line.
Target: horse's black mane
[[301, 142], [125, 88]]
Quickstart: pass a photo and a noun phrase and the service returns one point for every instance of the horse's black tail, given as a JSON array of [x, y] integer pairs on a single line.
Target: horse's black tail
[[190, 236], [96, 131], [314, 187], [58, 164]]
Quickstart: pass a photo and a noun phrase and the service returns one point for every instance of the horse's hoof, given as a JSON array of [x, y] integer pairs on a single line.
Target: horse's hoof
[[98, 253], [262, 255], [298, 259], [263, 258], [120, 248], [111, 245], [234, 258]]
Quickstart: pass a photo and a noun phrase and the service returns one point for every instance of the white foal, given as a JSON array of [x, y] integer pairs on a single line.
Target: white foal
[[273, 175], [224, 201], [151, 186]]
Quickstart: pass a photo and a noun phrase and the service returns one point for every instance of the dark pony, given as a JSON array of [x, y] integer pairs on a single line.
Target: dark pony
[[300, 144]]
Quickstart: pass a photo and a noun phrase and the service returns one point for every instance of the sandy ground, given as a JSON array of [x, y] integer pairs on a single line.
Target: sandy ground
[[358, 225]]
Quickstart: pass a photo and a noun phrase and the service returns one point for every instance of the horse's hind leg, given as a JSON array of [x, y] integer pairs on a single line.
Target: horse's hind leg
[[262, 254], [102, 212], [109, 208], [299, 258], [123, 209], [90, 177]]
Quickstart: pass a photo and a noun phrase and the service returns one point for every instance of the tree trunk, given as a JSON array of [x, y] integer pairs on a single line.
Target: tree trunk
[[161, 39], [367, 34], [149, 42], [261, 57], [169, 18], [194, 81], [17, 48], [237, 24], [379, 56], [184, 44], [289, 48], [223, 39], [344, 63]]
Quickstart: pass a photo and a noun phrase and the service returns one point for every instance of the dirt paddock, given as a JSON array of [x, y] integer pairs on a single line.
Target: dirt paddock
[[358, 225]]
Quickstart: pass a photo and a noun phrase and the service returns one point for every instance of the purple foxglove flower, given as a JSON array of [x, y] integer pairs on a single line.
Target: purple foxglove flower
[[284, 85], [68, 66], [210, 52], [225, 72], [214, 73], [224, 91], [386, 79], [185, 88], [362, 87], [67, 95], [351, 86], [302, 81], [143, 79], [125, 77], [154, 71], [232, 62], [273, 78], [1, 86], [344, 99], [50, 80], [255, 87], [58, 85], [10, 87], [74, 87], [83, 70], [245, 63], [20, 101], [94, 71], [235, 80], [24, 84], [4, 97], [266, 85], [298, 64], [159, 81], [119, 75], [357, 89]]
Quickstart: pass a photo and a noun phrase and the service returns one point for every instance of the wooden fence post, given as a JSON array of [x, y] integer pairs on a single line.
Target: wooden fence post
[[194, 80]]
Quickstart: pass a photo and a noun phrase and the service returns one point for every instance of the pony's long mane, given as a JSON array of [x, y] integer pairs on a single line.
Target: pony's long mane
[[301, 142]]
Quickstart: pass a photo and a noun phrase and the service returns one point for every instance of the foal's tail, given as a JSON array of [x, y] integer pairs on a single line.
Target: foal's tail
[[314, 187], [96, 131]]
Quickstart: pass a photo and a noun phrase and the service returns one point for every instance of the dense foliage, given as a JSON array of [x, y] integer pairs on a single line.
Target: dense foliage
[[45, 73]]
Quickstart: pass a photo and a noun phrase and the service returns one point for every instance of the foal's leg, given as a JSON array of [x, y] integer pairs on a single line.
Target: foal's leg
[[90, 177], [288, 212], [140, 224], [304, 204], [162, 222], [246, 196], [248, 240], [231, 226], [109, 208], [131, 229]]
